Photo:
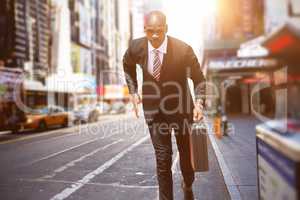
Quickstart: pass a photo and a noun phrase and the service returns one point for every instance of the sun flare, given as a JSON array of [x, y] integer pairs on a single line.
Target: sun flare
[[185, 18]]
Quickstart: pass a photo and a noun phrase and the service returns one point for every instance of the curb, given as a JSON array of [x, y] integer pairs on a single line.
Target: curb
[[231, 186]]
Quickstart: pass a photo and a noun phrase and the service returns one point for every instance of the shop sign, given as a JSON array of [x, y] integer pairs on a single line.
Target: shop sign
[[242, 63], [8, 82]]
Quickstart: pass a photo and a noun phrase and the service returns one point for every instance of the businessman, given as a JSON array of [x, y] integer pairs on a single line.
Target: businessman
[[167, 63]]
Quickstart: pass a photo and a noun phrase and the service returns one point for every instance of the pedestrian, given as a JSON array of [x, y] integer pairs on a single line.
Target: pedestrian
[[166, 63]]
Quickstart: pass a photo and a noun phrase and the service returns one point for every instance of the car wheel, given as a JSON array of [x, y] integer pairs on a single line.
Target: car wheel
[[92, 117], [15, 130], [65, 124], [42, 126], [77, 122]]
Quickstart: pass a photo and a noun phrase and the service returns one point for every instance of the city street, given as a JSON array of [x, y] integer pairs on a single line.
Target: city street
[[78, 76], [112, 159]]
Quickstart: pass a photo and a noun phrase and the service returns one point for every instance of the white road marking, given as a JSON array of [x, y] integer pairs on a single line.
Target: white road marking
[[105, 120], [63, 151], [80, 183], [60, 152], [98, 184], [64, 131], [175, 163], [77, 132], [73, 162], [4, 132]]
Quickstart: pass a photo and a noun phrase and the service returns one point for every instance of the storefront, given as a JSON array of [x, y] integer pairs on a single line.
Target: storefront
[[35, 94], [236, 78], [65, 90]]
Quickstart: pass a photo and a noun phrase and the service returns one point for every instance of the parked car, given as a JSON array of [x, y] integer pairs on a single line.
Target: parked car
[[101, 108], [118, 107], [46, 117], [82, 113]]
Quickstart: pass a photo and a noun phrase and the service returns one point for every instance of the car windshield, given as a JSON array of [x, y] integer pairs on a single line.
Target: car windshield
[[40, 111], [83, 108]]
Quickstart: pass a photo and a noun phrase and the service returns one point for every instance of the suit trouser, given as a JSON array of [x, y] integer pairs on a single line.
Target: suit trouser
[[160, 130]]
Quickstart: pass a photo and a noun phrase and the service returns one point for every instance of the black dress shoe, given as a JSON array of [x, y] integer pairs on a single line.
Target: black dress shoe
[[187, 192]]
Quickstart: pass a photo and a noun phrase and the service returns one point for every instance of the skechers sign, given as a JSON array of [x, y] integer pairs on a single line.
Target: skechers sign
[[251, 63]]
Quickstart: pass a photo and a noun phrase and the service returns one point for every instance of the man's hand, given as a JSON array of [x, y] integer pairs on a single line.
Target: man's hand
[[198, 111], [135, 100]]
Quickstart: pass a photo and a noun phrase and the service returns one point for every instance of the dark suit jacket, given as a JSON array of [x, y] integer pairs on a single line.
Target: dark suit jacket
[[171, 95]]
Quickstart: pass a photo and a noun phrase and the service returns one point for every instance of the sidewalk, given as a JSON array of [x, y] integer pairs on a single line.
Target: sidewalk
[[208, 185], [237, 157]]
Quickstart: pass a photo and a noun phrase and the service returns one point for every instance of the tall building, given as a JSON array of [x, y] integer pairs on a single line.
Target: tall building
[[277, 13], [24, 44], [25, 41], [60, 38], [123, 30], [115, 37], [81, 32], [235, 20], [93, 35], [138, 13]]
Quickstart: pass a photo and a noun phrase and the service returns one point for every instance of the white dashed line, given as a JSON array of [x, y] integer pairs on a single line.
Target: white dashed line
[[61, 152], [80, 183], [73, 162]]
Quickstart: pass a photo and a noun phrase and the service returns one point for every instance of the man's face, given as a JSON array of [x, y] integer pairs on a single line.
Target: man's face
[[155, 30]]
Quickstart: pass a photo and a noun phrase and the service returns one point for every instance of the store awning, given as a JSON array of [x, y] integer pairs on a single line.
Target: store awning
[[71, 83], [285, 41], [34, 86], [253, 48]]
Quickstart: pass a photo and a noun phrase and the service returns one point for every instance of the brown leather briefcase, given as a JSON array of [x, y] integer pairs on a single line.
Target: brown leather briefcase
[[198, 147]]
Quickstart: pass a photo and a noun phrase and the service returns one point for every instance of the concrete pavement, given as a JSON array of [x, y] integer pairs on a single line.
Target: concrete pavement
[[237, 157]]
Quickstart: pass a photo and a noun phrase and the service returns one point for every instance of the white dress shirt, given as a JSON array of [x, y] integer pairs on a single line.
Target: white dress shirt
[[162, 50]]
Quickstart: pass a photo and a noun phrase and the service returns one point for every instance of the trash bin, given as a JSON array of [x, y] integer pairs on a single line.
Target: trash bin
[[278, 160]]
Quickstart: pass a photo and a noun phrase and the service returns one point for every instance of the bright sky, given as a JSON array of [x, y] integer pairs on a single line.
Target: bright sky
[[185, 18]]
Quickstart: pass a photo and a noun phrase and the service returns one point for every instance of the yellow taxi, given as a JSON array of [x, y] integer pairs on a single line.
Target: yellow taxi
[[46, 117]]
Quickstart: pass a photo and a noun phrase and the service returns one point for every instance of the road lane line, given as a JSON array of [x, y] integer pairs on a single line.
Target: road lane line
[[77, 133], [175, 163], [105, 121], [73, 162], [60, 152], [97, 184], [63, 131], [80, 183], [69, 149]]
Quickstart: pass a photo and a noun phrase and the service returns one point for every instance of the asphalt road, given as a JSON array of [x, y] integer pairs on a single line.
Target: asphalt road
[[112, 159]]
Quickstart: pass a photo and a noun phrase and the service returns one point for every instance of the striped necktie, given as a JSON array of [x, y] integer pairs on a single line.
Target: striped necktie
[[156, 65]]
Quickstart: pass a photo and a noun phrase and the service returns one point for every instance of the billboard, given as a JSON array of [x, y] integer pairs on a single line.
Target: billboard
[[75, 58], [9, 79]]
